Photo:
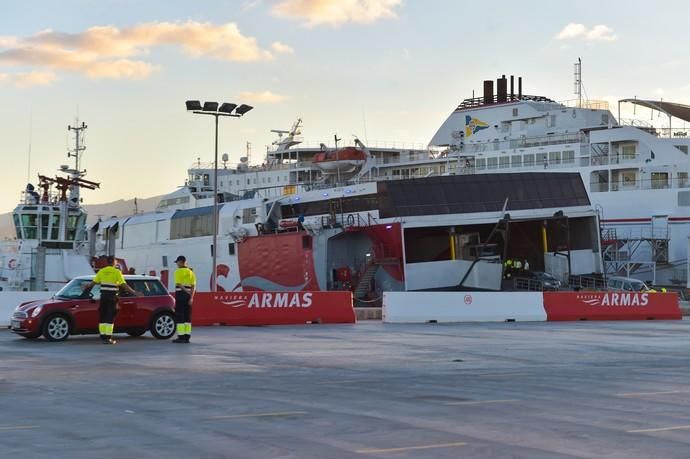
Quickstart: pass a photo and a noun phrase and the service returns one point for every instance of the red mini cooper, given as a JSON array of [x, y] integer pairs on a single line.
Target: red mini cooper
[[72, 311]]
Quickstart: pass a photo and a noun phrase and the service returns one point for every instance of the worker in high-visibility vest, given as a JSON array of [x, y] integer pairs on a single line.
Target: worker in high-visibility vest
[[185, 286], [508, 264], [111, 281]]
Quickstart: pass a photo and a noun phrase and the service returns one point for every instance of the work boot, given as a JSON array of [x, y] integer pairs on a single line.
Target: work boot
[[180, 339], [109, 340]]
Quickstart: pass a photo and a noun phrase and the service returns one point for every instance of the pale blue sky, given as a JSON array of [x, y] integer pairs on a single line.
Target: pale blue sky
[[402, 72]]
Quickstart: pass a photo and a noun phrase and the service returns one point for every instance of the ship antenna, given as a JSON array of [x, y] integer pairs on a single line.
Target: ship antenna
[[28, 167], [578, 82]]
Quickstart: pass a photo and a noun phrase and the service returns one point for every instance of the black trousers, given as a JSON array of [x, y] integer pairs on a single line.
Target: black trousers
[[183, 310], [108, 307]]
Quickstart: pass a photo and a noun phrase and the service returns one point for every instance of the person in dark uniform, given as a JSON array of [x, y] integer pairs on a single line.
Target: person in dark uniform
[[185, 286], [111, 281]]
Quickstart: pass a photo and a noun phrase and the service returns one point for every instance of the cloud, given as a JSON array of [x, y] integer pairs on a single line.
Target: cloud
[[599, 32], [265, 97], [337, 12], [109, 52], [28, 79], [281, 48]]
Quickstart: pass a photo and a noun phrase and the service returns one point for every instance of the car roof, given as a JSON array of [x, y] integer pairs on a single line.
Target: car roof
[[126, 276]]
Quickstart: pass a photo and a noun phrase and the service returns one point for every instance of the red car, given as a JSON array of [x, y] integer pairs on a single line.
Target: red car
[[73, 311]]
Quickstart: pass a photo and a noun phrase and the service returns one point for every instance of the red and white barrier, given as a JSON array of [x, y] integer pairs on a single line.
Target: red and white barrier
[[272, 308], [611, 306], [421, 307]]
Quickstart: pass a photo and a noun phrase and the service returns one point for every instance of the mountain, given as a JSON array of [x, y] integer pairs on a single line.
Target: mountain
[[121, 207]]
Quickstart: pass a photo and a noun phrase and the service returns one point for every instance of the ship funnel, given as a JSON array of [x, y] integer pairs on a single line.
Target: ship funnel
[[488, 91], [502, 89], [519, 87], [512, 87]]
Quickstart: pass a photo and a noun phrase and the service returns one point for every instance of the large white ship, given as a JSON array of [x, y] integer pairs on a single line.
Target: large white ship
[[636, 177]]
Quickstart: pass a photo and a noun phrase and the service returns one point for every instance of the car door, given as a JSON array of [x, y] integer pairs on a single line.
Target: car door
[[84, 311], [127, 311]]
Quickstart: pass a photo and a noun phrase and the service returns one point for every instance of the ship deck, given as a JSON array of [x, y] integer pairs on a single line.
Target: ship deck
[[520, 390]]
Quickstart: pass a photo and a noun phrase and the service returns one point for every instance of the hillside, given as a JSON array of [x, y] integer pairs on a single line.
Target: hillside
[[119, 208]]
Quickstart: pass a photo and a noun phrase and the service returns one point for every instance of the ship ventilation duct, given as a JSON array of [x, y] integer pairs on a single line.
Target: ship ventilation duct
[[502, 89], [488, 91]]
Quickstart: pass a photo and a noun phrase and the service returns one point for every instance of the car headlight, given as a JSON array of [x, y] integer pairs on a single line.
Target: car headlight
[[37, 310]]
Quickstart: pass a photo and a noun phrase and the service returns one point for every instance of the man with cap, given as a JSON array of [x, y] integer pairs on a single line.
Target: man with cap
[[185, 286]]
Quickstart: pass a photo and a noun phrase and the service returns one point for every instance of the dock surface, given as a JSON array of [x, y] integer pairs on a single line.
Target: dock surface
[[371, 390]]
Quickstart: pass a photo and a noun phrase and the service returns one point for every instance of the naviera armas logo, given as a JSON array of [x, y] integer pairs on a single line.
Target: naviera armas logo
[[474, 125], [614, 299], [266, 300]]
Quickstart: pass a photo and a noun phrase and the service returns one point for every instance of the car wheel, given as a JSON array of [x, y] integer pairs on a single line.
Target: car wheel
[[136, 332], [163, 325], [56, 328]]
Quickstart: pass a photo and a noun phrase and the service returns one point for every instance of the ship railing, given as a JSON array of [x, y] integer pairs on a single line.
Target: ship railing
[[467, 148], [387, 144], [641, 184], [588, 104], [674, 133], [637, 233]]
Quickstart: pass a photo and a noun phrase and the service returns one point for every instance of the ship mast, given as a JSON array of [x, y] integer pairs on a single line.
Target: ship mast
[[76, 174]]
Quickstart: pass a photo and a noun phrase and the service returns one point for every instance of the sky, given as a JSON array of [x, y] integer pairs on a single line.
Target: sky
[[384, 70]]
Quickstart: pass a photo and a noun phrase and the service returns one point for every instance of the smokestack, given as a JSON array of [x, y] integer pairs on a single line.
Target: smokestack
[[519, 87], [502, 89], [512, 87], [488, 91]]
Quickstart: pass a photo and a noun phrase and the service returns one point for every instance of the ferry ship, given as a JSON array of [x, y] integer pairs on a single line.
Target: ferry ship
[[635, 175]]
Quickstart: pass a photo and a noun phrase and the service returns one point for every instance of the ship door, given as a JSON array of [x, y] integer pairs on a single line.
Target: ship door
[[335, 208], [660, 227]]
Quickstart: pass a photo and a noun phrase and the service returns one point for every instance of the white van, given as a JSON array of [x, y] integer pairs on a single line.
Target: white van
[[626, 284]]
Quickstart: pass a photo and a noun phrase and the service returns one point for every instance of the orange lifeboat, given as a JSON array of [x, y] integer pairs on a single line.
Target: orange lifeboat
[[345, 159]]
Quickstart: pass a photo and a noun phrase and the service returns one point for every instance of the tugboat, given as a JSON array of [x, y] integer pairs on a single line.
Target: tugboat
[[51, 245]]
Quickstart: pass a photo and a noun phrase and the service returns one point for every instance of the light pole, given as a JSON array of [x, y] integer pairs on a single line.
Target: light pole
[[225, 109]]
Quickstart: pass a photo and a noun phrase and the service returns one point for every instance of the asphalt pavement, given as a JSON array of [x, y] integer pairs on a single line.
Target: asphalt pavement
[[372, 390]]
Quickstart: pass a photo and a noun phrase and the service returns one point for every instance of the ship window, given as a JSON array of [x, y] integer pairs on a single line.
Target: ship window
[[542, 158], [29, 224], [604, 119], [480, 163], [249, 215], [516, 161], [529, 160], [684, 198], [491, 163], [515, 112], [503, 162], [568, 157], [45, 220], [17, 226], [682, 180], [599, 181], [231, 249], [659, 180], [629, 178], [165, 261], [628, 151], [555, 157], [55, 227], [683, 148], [505, 126], [551, 121]]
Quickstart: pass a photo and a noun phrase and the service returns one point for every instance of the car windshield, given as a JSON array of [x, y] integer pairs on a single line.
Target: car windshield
[[74, 290]]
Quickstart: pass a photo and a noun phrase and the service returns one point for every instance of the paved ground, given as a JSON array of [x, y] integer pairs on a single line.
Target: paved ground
[[543, 390]]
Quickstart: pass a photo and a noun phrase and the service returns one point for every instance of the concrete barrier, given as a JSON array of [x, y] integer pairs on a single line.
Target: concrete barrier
[[421, 307], [10, 300], [272, 308], [611, 306]]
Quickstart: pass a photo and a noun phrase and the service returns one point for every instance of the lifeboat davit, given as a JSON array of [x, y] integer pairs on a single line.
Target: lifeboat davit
[[346, 159]]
